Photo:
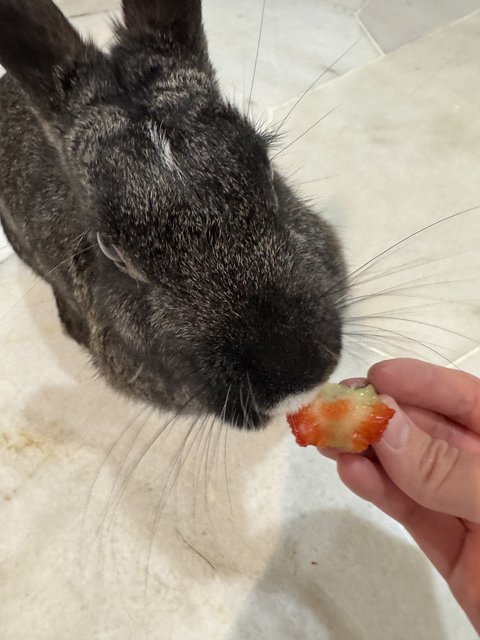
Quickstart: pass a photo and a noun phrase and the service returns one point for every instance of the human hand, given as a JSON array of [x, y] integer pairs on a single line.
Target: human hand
[[425, 472]]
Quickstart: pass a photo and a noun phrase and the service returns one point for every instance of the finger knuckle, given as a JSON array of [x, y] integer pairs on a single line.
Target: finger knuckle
[[435, 466]]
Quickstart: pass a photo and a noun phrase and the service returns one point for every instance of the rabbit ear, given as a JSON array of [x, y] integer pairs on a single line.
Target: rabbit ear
[[179, 20], [40, 48]]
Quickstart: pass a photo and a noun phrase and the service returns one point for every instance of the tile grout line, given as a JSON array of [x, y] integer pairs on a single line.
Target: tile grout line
[[91, 13], [271, 110], [432, 33], [369, 35], [321, 86], [461, 359]]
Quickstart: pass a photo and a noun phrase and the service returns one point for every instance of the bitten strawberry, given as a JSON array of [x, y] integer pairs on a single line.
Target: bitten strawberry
[[343, 418]]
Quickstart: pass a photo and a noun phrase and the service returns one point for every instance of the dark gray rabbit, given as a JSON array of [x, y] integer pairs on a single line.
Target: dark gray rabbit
[[195, 277]]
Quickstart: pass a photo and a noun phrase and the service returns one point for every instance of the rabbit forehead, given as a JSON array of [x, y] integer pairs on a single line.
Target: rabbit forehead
[[144, 168], [217, 140]]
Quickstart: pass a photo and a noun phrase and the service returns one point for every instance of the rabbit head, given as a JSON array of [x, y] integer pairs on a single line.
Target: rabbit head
[[208, 281]]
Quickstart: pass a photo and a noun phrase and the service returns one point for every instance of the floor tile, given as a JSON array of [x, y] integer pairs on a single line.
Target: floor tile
[[400, 152], [269, 544], [285, 67], [5, 249], [315, 559], [470, 363], [393, 24], [329, 30], [352, 5], [85, 7], [97, 26]]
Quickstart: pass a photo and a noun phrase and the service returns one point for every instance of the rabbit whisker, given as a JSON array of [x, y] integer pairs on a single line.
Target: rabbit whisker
[[173, 474], [335, 175], [398, 334], [409, 237], [431, 325], [30, 289], [352, 345], [254, 401], [256, 57], [107, 456], [243, 404], [378, 341], [208, 466], [216, 448], [315, 82], [112, 509], [78, 240], [410, 307], [407, 266], [349, 280], [249, 402], [305, 132], [196, 551], [175, 468], [224, 429], [202, 432], [113, 495], [400, 292]]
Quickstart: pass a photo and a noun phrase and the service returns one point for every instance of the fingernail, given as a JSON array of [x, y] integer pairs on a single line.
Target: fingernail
[[355, 383], [398, 430]]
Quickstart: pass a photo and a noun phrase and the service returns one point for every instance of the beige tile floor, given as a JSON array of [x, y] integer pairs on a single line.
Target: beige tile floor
[[393, 24], [289, 553]]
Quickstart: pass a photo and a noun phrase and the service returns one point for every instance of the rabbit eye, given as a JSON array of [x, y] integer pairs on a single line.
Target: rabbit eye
[[109, 250], [123, 263]]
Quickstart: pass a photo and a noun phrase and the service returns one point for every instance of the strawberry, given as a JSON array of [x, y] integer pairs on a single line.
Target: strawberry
[[343, 418]]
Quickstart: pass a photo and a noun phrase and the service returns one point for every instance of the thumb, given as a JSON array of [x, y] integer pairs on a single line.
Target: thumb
[[430, 471]]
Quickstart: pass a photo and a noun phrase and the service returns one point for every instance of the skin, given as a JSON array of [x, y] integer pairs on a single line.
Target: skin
[[425, 472]]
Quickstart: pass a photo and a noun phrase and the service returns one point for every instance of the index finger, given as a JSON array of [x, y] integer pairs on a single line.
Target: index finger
[[451, 393]]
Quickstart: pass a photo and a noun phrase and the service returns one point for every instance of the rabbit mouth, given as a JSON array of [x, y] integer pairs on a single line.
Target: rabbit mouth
[[245, 416], [293, 403], [253, 420]]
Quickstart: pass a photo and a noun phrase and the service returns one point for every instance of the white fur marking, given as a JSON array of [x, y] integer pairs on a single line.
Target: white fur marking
[[293, 403], [162, 144]]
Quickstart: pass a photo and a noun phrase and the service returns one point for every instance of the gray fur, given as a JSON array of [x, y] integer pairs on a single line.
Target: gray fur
[[225, 285]]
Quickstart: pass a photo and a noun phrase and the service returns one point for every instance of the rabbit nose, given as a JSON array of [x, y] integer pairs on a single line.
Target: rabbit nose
[[268, 374], [285, 366]]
